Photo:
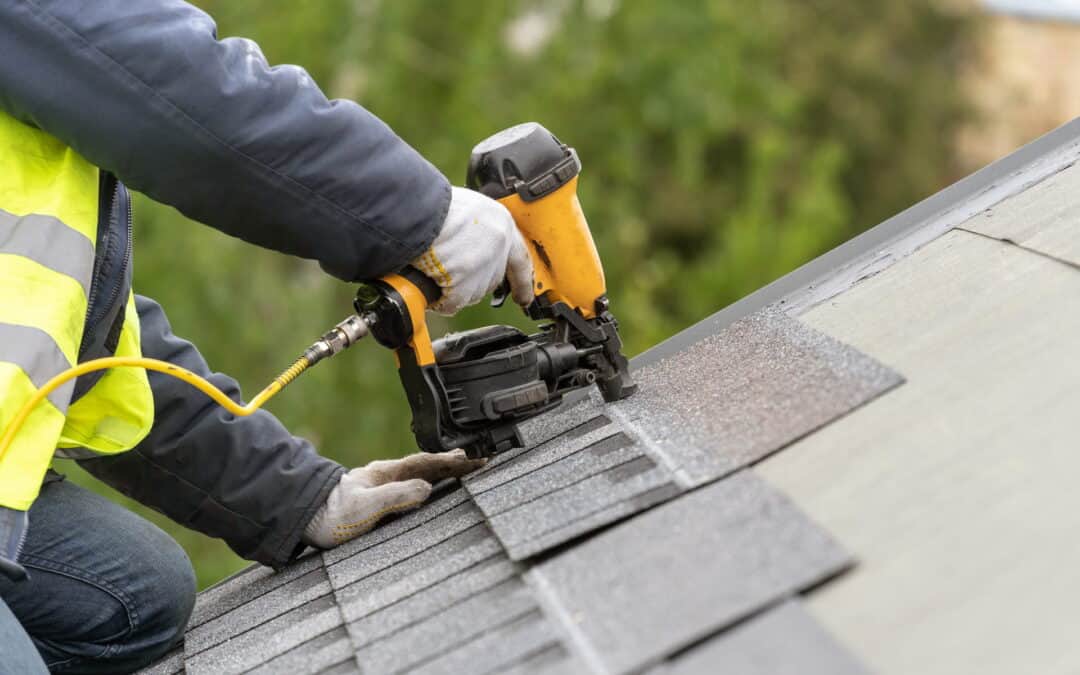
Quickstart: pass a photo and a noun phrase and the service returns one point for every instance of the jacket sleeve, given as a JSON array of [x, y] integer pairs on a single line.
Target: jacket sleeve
[[242, 479], [147, 91]]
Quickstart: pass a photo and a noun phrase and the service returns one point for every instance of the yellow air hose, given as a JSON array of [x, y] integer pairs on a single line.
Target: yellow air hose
[[345, 334]]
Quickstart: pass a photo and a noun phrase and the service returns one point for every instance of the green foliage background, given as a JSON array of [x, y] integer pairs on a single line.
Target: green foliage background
[[724, 143]]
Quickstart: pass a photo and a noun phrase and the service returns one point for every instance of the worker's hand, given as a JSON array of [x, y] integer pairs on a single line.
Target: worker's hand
[[478, 247], [368, 494]]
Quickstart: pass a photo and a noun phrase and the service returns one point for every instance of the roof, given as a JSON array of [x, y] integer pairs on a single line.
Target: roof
[[824, 477]]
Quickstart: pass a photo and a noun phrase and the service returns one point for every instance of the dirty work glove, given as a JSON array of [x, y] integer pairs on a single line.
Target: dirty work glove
[[477, 248], [13, 526], [365, 495]]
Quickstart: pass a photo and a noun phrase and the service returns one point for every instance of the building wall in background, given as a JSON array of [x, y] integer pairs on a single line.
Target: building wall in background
[[1026, 80]]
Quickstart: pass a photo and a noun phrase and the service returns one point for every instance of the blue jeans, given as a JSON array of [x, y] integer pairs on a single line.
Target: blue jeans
[[108, 591]]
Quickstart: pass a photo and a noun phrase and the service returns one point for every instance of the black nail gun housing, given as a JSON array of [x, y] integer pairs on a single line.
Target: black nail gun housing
[[484, 381]]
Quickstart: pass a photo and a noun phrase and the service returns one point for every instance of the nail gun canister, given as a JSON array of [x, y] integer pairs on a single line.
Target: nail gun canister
[[535, 176]]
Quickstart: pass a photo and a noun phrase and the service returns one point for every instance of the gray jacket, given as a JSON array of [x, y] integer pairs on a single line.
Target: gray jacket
[[147, 92]]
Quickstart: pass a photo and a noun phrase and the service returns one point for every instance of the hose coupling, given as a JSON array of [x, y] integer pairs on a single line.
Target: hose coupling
[[342, 336]]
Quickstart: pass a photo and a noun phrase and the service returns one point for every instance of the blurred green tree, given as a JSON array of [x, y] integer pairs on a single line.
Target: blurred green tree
[[724, 143]]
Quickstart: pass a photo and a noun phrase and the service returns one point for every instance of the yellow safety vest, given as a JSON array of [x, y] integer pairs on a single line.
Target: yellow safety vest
[[48, 232]]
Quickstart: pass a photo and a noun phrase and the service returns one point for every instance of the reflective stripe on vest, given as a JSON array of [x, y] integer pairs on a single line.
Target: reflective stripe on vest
[[48, 230]]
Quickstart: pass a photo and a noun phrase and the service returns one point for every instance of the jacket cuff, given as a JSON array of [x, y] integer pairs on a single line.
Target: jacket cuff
[[278, 551]]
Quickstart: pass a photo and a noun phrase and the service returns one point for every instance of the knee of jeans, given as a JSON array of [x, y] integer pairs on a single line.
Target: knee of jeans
[[161, 599], [122, 620], [173, 579]]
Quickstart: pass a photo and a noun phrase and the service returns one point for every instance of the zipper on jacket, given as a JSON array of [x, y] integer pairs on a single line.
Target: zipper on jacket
[[126, 280], [104, 207], [122, 199], [126, 260], [97, 307]]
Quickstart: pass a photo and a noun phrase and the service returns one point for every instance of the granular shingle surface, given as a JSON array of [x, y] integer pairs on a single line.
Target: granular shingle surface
[[332, 649], [170, 664], [521, 569], [370, 623], [719, 405], [246, 649], [783, 640], [757, 549]]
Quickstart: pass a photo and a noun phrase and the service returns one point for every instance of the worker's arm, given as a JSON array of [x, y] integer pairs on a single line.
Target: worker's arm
[[145, 90], [246, 480]]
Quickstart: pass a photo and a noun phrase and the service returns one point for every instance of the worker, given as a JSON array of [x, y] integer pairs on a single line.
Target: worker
[[98, 95]]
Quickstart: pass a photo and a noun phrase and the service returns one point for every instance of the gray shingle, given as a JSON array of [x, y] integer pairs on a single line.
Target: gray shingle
[[542, 457], [553, 660], [245, 586], [444, 631], [574, 420], [571, 510], [373, 620], [314, 656], [594, 457], [782, 641], [438, 505], [495, 650], [717, 406], [387, 551], [664, 579], [170, 664], [420, 571], [583, 525], [733, 398], [348, 667], [259, 645], [258, 610]]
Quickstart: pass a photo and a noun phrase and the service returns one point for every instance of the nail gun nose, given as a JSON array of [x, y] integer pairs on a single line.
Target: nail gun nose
[[556, 361]]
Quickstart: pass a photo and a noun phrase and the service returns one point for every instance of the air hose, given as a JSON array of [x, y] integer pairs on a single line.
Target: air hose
[[340, 337]]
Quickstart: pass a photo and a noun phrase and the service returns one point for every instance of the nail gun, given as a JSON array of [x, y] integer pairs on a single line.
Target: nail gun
[[470, 389]]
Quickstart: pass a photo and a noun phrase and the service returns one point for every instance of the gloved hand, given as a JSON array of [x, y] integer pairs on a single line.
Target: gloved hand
[[478, 247], [13, 526], [366, 495]]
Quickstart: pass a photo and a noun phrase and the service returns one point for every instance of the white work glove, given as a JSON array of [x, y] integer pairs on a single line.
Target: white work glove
[[478, 246], [368, 494]]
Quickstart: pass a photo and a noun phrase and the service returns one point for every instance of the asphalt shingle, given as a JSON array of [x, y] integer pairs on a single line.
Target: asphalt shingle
[[332, 649], [701, 562], [443, 632], [258, 610], [496, 649], [718, 406], [423, 570], [735, 397], [784, 640], [553, 660], [246, 586], [564, 511], [368, 625], [170, 664], [389, 551], [441, 501], [245, 650]]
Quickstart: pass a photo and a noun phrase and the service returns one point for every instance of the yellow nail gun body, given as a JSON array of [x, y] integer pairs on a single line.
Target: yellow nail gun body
[[468, 390]]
